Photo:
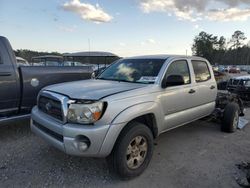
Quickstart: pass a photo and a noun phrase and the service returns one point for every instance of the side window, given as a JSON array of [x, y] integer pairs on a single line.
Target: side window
[[201, 71], [179, 67]]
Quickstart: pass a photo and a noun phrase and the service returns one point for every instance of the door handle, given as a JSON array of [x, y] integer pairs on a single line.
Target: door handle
[[191, 91], [212, 87], [5, 73]]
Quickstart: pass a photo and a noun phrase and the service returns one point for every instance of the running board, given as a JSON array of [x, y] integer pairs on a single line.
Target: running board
[[14, 118]]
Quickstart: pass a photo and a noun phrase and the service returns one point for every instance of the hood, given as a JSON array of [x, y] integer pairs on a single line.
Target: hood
[[92, 89], [245, 77]]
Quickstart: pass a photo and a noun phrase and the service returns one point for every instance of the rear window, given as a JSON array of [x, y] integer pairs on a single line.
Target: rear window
[[201, 71]]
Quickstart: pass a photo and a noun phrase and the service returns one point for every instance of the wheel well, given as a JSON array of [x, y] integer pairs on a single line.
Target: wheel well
[[150, 121]]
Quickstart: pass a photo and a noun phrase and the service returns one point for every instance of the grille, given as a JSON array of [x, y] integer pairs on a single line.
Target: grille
[[51, 107]]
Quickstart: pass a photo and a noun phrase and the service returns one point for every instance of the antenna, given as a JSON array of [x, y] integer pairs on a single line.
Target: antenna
[[89, 44], [89, 50]]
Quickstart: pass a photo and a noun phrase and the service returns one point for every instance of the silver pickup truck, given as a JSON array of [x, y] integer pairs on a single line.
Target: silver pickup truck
[[118, 114]]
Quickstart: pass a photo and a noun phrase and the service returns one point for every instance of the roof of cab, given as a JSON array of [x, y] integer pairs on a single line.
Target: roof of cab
[[165, 57], [245, 77]]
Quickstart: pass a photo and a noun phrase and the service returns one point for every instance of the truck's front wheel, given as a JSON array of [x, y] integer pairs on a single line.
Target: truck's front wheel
[[132, 151]]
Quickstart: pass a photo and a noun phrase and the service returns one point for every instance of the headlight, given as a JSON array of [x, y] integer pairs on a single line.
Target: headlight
[[85, 113]]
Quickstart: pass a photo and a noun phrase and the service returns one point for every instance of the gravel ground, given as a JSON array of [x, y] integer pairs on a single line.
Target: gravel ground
[[195, 155]]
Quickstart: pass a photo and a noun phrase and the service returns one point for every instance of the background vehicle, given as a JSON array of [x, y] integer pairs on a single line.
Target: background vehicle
[[234, 70], [227, 68], [98, 60], [47, 60], [220, 76], [19, 86], [240, 86], [215, 68], [133, 101], [95, 59], [22, 62]]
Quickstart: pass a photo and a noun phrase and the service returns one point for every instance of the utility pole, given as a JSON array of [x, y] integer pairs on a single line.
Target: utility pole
[[89, 50], [89, 44]]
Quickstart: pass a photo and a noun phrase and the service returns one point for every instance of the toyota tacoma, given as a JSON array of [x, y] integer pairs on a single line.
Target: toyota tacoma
[[118, 114]]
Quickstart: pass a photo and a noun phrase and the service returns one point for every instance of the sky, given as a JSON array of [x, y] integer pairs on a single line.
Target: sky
[[124, 27]]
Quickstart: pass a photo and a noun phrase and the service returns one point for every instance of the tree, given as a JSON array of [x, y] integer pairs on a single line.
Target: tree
[[215, 50], [28, 54], [237, 39], [204, 45], [222, 43]]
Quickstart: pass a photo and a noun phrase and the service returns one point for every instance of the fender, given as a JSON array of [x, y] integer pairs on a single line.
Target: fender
[[125, 116]]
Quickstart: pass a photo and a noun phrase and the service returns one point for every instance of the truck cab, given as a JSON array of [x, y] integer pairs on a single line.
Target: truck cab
[[9, 79]]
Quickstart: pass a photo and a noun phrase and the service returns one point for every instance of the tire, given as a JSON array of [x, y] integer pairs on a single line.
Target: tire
[[230, 118], [118, 159]]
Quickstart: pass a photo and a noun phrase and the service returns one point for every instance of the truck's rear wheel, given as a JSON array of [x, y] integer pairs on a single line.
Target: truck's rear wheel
[[132, 151], [230, 118]]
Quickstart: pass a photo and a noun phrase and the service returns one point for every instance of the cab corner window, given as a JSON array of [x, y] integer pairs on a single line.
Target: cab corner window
[[179, 68], [201, 71]]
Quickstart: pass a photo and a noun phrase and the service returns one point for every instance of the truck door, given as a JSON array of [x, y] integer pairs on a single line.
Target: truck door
[[178, 101], [9, 95], [205, 85]]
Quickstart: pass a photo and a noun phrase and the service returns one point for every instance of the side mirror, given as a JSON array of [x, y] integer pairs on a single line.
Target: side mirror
[[172, 80]]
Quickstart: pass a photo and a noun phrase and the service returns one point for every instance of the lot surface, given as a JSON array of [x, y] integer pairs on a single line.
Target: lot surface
[[195, 155]]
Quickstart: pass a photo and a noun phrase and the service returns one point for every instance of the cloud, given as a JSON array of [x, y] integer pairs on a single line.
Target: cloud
[[67, 29], [151, 41], [195, 10], [87, 11], [148, 41], [231, 14], [122, 44], [197, 27]]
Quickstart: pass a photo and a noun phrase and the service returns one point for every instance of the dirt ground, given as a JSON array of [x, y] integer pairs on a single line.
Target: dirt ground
[[195, 155]]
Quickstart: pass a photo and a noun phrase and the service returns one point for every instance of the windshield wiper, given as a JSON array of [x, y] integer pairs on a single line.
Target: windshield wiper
[[122, 80], [106, 79], [101, 78], [118, 80], [144, 82]]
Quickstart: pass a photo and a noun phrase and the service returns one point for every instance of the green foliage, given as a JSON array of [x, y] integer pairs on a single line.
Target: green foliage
[[237, 39], [215, 50], [28, 54], [204, 45]]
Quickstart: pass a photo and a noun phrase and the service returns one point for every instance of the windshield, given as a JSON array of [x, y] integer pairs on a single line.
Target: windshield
[[134, 70]]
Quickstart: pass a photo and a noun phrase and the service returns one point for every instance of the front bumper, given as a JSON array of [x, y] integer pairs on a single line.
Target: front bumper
[[65, 137]]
